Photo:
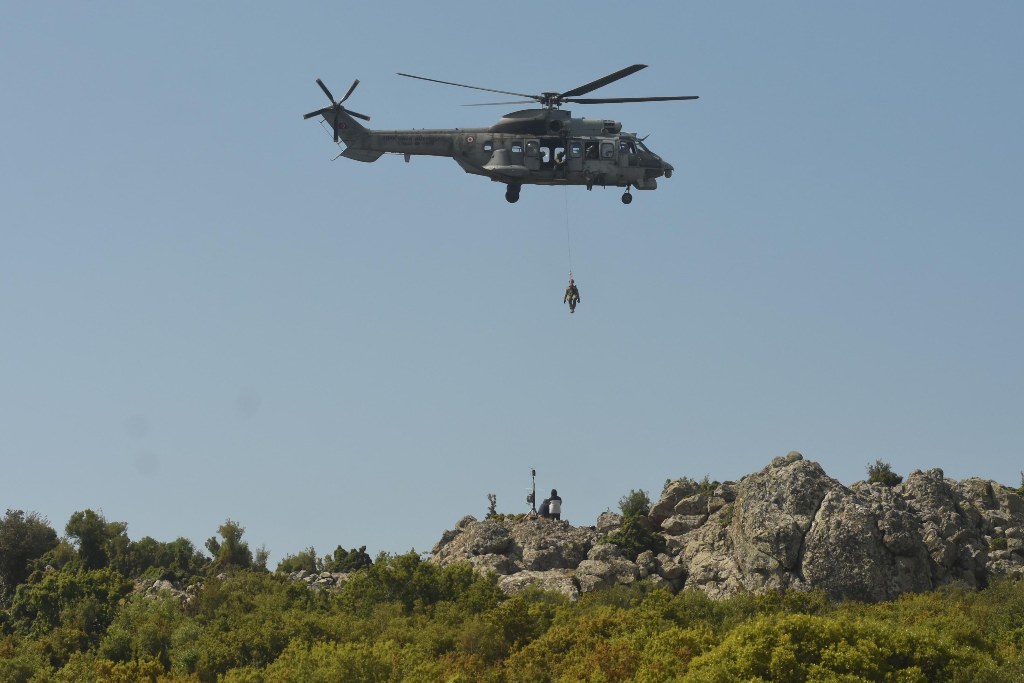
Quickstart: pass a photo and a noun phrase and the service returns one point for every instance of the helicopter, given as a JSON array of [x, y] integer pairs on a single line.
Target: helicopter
[[541, 146]]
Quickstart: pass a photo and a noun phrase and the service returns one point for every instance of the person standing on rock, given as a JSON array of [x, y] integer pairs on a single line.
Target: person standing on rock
[[551, 507]]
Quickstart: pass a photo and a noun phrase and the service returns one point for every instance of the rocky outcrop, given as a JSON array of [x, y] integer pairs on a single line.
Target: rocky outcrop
[[788, 526], [320, 580], [153, 589]]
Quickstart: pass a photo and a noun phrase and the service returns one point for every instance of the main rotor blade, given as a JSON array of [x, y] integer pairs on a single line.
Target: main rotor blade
[[493, 104], [620, 100], [601, 82], [356, 114], [473, 87], [354, 84], [318, 112], [326, 91]]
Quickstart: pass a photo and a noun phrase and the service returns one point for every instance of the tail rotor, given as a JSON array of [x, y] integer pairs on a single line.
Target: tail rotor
[[336, 107]]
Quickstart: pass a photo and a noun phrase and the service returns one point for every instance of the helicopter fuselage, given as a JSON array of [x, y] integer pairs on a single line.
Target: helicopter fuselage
[[528, 147], [544, 146]]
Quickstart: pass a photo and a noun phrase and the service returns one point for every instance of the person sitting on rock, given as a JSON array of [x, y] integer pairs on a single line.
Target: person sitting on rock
[[551, 507]]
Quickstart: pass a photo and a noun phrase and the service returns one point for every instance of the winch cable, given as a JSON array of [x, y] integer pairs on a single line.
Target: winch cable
[[568, 241]]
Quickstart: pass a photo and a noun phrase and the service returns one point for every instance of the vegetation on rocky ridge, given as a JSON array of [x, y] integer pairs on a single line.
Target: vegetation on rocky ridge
[[73, 610]]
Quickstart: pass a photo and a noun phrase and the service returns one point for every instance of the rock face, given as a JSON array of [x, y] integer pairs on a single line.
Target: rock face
[[788, 526], [153, 589]]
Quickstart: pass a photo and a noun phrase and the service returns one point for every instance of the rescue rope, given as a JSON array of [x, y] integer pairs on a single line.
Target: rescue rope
[[568, 242]]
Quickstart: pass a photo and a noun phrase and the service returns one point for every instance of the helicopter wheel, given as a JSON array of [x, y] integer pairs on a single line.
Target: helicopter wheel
[[512, 194], [626, 197]]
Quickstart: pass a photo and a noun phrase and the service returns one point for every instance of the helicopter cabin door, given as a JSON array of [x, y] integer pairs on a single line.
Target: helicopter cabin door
[[533, 155], [515, 156], [575, 162]]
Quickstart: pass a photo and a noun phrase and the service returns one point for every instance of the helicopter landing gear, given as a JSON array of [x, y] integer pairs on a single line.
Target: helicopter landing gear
[[512, 193], [627, 197]]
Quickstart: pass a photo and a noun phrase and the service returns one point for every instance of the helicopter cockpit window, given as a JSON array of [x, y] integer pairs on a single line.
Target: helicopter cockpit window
[[626, 146], [607, 150]]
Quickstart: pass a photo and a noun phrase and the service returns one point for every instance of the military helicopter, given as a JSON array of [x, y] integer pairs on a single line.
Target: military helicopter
[[544, 146]]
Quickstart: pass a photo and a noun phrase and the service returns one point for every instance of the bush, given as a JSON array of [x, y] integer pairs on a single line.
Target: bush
[[635, 536], [881, 473], [635, 504], [305, 560], [345, 561]]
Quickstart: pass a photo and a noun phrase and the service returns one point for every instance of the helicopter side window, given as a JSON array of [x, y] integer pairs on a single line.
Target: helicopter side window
[[575, 150], [488, 146], [591, 150], [532, 148], [607, 150], [517, 146]]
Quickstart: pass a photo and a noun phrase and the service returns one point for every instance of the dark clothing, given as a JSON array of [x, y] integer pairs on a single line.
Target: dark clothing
[[549, 503], [572, 295]]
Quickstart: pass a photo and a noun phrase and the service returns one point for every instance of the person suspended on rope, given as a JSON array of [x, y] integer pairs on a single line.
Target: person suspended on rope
[[572, 295]]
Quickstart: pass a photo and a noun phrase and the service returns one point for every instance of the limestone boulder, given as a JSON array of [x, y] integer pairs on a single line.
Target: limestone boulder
[[558, 581], [774, 510]]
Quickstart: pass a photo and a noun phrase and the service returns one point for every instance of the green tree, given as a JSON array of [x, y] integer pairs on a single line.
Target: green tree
[[178, 560], [99, 543], [304, 560], [636, 535], [345, 561], [231, 552], [635, 504], [23, 539], [69, 609]]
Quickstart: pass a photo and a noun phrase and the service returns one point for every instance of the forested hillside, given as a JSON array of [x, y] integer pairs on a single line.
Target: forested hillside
[[85, 607]]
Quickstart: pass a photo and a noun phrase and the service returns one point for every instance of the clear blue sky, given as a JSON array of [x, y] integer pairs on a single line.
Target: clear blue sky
[[202, 316]]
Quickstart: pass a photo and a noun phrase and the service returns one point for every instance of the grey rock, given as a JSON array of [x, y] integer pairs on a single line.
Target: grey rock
[[788, 526], [557, 581], [695, 505], [647, 562], [670, 497], [604, 552], [608, 522], [611, 572], [682, 524], [499, 564], [774, 510], [668, 569]]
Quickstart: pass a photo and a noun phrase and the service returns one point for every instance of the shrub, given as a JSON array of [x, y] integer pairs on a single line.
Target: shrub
[[304, 560], [635, 504], [881, 473], [345, 561], [635, 536]]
